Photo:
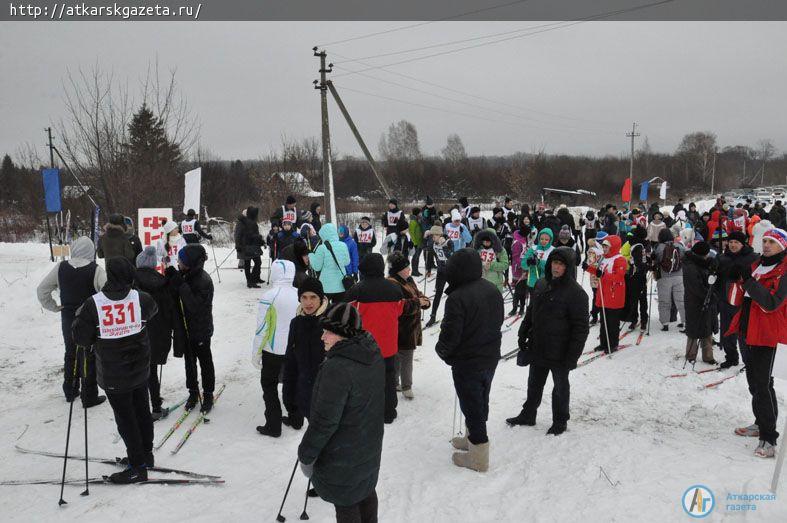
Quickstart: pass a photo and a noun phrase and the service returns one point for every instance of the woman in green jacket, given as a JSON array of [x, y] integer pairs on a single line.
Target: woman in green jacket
[[535, 259], [493, 257]]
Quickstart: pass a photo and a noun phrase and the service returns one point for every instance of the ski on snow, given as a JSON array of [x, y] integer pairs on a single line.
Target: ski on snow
[[116, 462], [601, 355], [512, 322], [196, 424], [703, 371], [173, 428], [641, 335], [719, 382], [104, 480]]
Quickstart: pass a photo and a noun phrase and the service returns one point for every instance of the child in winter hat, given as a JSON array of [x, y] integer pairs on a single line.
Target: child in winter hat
[[147, 258], [342, 319]]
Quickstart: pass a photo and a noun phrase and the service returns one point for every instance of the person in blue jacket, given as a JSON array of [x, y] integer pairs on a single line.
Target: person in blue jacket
[[457, 232], [321, 260], [352, 248]]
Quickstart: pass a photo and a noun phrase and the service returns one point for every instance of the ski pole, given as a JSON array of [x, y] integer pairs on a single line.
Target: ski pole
[[304, 515], [68, 431], [650, 302], [453, 424], [279, 517], [84, 405], [604, 317]]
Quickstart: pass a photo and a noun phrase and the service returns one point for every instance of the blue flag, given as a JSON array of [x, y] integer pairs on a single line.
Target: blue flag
[[643, 192], [51, 179]]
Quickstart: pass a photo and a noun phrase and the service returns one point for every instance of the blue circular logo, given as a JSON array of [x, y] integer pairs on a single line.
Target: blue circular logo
[[698, 501]]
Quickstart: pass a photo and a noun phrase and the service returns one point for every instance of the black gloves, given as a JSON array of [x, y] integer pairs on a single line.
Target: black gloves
[[531, 261], [740, 272], [175, 278], [599, 273], [585, 265]]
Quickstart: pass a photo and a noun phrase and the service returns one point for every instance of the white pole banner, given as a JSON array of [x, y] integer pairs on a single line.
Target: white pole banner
[[193, 181]]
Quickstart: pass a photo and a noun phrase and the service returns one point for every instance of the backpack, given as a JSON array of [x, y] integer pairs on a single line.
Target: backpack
[[671, 259]]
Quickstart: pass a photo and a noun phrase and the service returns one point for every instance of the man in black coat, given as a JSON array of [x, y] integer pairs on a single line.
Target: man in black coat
[[114, 321], [343, 444], [305, 352], [248, 245], [194, 290], [699, 301], [161, 327], [738, 255], [470, 343], [551, 338], [298, 253]]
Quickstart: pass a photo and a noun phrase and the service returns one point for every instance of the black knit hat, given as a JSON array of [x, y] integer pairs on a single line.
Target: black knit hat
[[290, 200], [429, 200], [701, 249], [311, 284], [393, 201], [342, 319], [396, 262], [737, 236], [117, 219]]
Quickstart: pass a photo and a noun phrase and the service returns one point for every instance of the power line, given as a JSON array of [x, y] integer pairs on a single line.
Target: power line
[[450, 111], [533, 33], [464, 102], [420, 24], [472, 95]]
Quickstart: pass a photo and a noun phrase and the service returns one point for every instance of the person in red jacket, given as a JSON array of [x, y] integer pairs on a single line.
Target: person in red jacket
[[611, 295], [761, 325], [380, 302]]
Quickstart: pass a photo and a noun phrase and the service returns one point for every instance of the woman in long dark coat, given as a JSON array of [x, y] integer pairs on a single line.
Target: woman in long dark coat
[[700, 302]]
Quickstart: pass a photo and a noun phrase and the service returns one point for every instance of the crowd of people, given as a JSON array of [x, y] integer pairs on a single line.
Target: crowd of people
[[340, 321]]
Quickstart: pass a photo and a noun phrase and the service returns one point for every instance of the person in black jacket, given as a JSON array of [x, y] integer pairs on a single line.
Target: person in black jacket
[[738, 255], [316, 210], [131, 235], [441, 250], [161, 327], [699, 302], [305, 352], [248, 245], [343, 444], [394, 220], [637, 281], [551, 338], [114, 322], [298, 254], [194, 291], [610, 220], [470, 343], [191, 228]]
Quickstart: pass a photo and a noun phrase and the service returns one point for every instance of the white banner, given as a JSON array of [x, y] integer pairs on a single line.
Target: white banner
[[663, 191], [193, 181], [150, 223]]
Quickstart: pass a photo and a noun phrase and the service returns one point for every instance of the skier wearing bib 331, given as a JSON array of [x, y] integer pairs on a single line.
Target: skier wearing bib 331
[[114, 322]]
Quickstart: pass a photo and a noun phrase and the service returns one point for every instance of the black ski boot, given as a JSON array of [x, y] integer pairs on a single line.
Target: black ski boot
[[207, 402], [92, 402], [265, 430], [192, 401], [513, 311], [521, 419], [432, 321], [727, 364], [159, 413], [295, 422], [556, 429], [129, 475], [150, 460], [665, 328]]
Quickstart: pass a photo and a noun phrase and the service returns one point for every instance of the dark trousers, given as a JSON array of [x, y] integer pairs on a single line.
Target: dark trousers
[[391, 399], [759, 369], [199, 351], [561, 391], [135, 425], [611, 327], [252, 274], [416, 258], [154, 387], [439, 286], [636, 299], [73, 367], [521, 290], [430, 263], [269, 380], [472, 387], [728, 343], [594, 309], [362, 512]]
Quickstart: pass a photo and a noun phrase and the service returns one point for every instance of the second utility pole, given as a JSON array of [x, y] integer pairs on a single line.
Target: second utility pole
[[632, 134], [327, 174]]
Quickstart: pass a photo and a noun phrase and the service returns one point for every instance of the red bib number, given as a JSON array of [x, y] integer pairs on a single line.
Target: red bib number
[[118, 318]]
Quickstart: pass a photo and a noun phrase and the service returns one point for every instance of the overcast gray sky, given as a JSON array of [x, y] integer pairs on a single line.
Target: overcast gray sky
[[572, 90]]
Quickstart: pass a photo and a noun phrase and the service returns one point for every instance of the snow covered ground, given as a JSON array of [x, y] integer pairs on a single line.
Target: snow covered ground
[[636, 440]]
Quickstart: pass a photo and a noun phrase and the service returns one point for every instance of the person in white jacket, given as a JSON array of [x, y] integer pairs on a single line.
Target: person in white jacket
[[169, 244], [277, 307], [77, 280]]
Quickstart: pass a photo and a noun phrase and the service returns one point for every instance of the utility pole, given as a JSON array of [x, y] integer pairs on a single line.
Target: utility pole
[[358, 137], [327, 172], [51, 165], [633, 134], [713, 173]]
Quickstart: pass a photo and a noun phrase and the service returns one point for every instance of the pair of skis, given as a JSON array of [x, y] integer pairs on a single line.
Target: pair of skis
[[192, 428], [600, 355], [192, 478]]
